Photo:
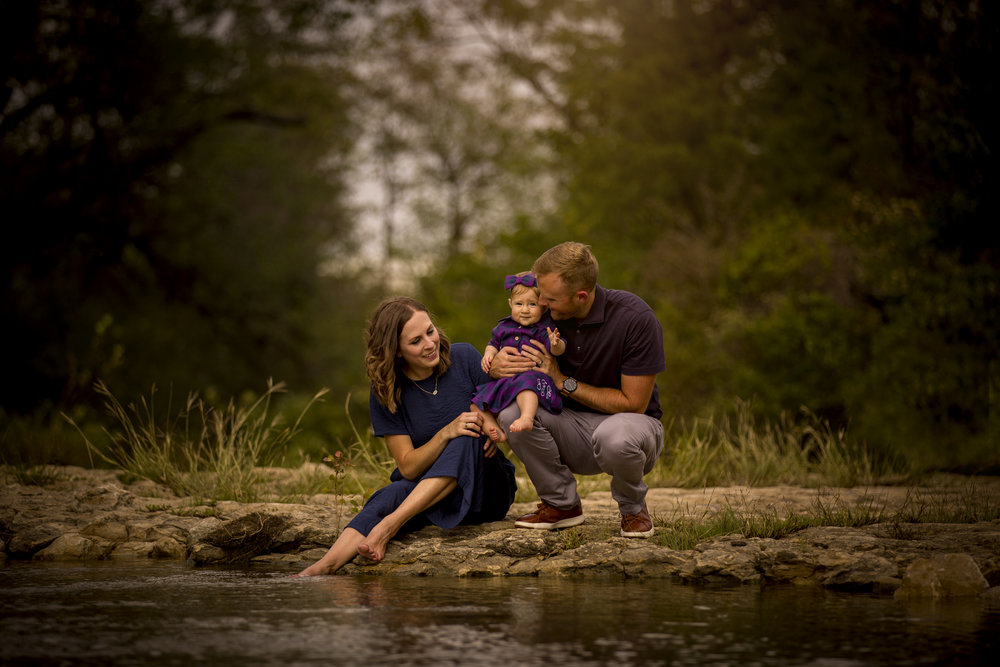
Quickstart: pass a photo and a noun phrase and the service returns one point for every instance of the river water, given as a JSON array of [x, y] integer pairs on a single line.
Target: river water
[[170, 614]]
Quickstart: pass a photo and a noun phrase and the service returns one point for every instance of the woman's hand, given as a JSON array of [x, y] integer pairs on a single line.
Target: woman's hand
[[489, 448], [415, 461], [474, 423], [468, 423]]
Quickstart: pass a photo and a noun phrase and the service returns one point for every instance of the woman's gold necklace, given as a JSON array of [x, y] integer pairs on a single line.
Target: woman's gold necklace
[[429, 393]]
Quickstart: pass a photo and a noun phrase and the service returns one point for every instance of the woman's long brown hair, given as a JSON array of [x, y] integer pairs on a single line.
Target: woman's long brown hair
[[383, 362]]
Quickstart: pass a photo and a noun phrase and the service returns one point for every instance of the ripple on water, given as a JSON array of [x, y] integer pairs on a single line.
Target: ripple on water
[[166, 613]]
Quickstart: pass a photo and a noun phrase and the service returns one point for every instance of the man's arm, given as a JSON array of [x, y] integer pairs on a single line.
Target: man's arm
[[633, 396]]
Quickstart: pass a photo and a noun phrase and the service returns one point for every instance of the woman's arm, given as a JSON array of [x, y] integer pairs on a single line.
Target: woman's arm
[[413, 462]]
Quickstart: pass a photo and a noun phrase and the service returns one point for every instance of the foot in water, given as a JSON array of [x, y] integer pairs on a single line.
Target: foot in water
[[314, 570]]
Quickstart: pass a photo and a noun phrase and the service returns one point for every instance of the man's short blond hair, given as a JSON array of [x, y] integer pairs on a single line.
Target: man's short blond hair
[[573, 262]]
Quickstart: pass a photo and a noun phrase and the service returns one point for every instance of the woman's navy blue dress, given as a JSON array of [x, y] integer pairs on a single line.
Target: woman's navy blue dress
[[486, 486]]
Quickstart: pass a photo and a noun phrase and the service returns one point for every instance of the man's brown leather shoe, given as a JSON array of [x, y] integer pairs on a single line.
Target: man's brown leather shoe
[[547, 517], [637, 525]]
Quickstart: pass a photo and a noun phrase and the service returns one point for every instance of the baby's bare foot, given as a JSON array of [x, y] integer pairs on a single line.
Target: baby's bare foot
[[497, 435], [522, 424]]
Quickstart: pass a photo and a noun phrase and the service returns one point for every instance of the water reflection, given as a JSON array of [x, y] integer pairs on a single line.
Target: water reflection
[[169, 614]]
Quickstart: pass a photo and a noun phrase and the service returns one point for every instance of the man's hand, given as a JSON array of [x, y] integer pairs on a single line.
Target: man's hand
[[509, 362], [542, 360]]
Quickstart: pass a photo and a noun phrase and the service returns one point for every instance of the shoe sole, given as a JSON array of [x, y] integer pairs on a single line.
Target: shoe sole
[[562, 523], [647, 533]]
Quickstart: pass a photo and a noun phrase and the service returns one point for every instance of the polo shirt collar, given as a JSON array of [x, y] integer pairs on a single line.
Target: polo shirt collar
[[596, 314]]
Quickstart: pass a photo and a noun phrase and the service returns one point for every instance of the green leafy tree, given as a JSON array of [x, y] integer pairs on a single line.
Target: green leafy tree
[[804, 191], [170, 185]]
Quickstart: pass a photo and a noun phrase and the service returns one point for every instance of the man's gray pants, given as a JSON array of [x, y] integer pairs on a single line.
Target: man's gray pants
[[624, 445]]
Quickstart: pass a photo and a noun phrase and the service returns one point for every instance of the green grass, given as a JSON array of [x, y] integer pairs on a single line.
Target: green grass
[[203, 451], [211, 454], [216, 453], [681, 532], [43, 438], [34, 475], [740, 450], [207, 454], [969, 504]]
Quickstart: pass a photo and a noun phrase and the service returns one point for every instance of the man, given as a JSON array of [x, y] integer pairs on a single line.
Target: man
[[610, 422]]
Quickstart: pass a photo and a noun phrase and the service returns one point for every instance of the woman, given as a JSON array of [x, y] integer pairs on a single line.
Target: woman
[[447, 471]]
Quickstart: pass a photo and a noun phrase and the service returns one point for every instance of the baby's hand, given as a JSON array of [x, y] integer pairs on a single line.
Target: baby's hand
[[487, 362], [553, 335]]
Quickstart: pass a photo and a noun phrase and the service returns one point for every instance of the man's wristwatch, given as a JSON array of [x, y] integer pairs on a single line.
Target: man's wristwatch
[[568, 387]]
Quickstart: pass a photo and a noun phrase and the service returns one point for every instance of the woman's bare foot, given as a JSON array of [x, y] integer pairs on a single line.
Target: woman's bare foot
[[314, 570], [522, 424], [373, 546], [366, 551], [341, 553]]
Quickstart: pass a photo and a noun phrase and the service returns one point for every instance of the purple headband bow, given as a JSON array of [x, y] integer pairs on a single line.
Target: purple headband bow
[[528, 280]]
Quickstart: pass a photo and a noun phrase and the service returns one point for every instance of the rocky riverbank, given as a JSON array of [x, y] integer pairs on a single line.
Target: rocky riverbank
[[91, 515]]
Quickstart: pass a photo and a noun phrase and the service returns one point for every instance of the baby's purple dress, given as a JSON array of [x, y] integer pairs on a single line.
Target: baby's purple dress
[[496, 395]]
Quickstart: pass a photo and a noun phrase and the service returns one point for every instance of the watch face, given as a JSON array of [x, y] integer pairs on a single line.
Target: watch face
[[569, 384]]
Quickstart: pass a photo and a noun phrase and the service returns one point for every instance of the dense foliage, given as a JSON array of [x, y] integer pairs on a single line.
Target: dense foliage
[[805, 193], [168, 195]]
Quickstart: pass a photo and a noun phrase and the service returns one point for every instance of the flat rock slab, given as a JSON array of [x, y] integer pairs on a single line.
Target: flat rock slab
[[90, 515]]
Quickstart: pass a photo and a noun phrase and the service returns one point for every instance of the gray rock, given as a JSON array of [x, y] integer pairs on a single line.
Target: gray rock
[[255, 532], [33, 538], [91, 516], [108, 497], [74, 546], [720, 562], [867, 574], [992, 597], [206, 554], [942, 576]]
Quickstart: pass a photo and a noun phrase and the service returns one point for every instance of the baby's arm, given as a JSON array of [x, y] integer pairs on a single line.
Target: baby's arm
[[488, 355], [556, 343]]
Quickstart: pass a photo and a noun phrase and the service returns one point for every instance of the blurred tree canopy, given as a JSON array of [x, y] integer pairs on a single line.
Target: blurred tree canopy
[[804, 192], [170, 181]]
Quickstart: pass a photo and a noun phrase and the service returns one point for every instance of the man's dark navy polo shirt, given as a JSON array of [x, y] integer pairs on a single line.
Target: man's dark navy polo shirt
[[619, 336]]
